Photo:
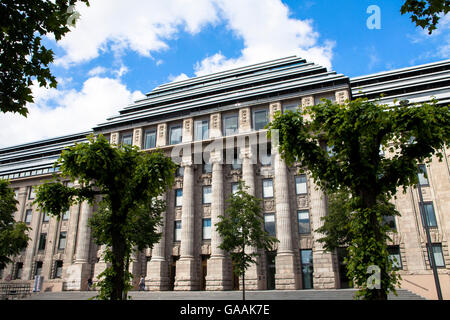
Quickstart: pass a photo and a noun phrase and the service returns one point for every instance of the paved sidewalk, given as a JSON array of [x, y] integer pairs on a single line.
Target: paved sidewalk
[[342, 294]]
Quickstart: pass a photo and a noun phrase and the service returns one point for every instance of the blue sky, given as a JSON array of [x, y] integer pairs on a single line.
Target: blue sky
[[119, 50]]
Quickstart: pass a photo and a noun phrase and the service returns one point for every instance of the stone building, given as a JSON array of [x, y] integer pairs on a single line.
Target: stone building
[[214, 126]]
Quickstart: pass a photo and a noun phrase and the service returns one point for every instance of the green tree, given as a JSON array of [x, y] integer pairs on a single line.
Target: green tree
[[241, 228], [129, 182], [23, 57], [426, 13], [13, 235], [340, 146]]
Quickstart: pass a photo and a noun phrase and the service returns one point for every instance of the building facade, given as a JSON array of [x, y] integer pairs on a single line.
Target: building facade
[[213, 126]]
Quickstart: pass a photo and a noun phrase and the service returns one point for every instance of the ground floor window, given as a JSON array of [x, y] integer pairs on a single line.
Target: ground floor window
[[307, 268]]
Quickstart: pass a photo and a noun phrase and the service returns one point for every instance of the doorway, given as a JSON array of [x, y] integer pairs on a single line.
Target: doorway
[[270, 258]]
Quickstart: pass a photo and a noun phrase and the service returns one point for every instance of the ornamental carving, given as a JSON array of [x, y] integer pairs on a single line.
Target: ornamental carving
[[307, 101], [137, 136], [269, 205], [207, 211], [302, 201], [161, 130], [341, 96], [215, 121], [206, 249], [114, 137], [176, 250]]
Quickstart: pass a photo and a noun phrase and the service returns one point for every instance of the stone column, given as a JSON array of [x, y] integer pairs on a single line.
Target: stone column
[[325, 277], [285, 277], [137, 137], [253, 279], [79, 272], [218, 270], [186, 277], [161, 137], [158, 267]]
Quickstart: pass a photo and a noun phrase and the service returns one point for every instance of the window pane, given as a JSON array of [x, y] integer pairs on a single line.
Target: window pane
[[269, 224], [292, 107], [175, 134], [179, 197], [300, 184], [179, 172], [28, 215], [150, 139], [307, 268], [207, 194], [201, 130], [32, 193], [429, 214], [177, 233], [46, 217], [127, 139], [267, 188], [260, 119], [303, 222], [234, 187], [206, 229], [58, 269], [394, 256], [207, 167], [390, 221], [438, 255], [62, 240], [423, 180], [237, 163], [42, 241], [266, 158], [230, 125], [66, 215]]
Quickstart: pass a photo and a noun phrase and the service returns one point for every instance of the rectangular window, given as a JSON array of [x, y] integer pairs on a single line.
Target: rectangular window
[[19, 269], [260, 119], [207, 167], [201, 130], [266, 158], [46, 217], [42, 241], [58, 269], [16, 194], [150, 139], [230, 124], [269, 224], [423, 178], [303, 222], [178, 197], [31, 193], [177, 231], [234, 187], [291, 107], [127, 139], [62, 240], [38, 270], [429, 215], [267, 188], [66, 215], [394, 256], [300, 184], [237, 163], [307, 268], [438, 255], [206, 229], [179, 172], [28, 216], [175, 134], [390, 221], [207, 194]]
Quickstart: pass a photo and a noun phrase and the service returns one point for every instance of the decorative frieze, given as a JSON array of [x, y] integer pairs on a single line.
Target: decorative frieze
[[274, 108], [114, 138], [188, 125], [341, 96], [216, 125], [244, 120], [137, 137], [161, 139]]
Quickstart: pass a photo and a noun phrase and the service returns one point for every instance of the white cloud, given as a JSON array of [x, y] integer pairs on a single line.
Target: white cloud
[[141, 26], [268, 32], [180, 77], [58, 112], [99, 70]]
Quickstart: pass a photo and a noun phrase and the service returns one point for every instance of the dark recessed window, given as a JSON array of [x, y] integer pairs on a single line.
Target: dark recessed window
[[303, 222], [260, 119], [422, 175], [269, 224], [428, 215], [150, 139]]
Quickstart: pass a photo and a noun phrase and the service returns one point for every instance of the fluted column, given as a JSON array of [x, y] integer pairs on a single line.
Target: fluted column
[[324, 273], [253, 278], [285, 277], [186, 277], [79, 272], [157, 268], [218, 269]]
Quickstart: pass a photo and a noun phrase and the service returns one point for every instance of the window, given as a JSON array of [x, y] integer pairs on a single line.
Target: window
[[237, 163], [269, 224], [438, 255], [390, 221], [46, 217], [42, 241], [230, 124], [267, 188], [423, 180], [307, 268], [28, 215], [32, 193], [177, 231], [207, 193], [394, 256], [175, 134], [58, 269], [66, 215], [207, 167], [179, 172], [150, 139], [62, 240], [127, 139], [291, 107], [206, 229], [266, 158], [38, 270], [303, 222], [19, 269], [260, 119], [201, 130], [429, 215], [16, 194], [300, 184], [178, 197], [234, 187]]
